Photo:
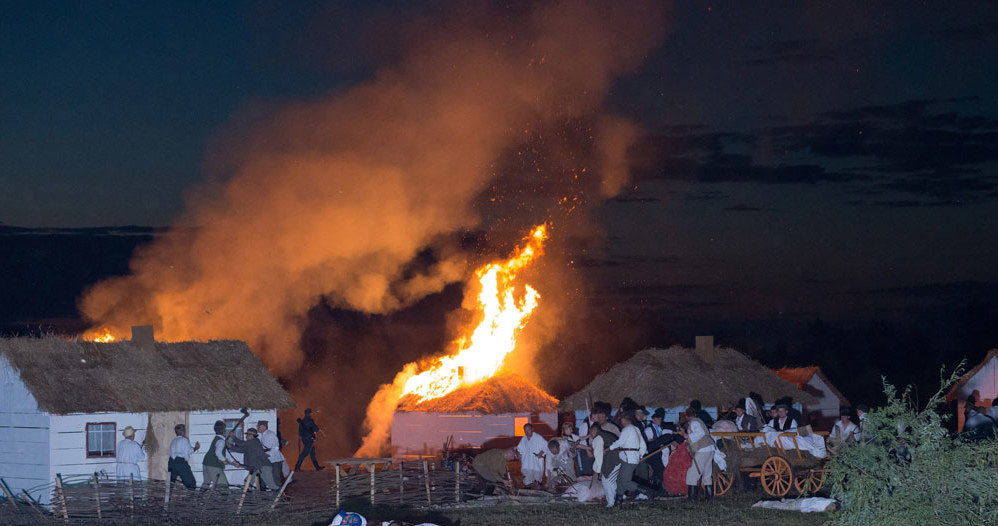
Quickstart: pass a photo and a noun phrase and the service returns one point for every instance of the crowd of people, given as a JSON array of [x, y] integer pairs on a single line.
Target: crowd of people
[[631, 453], [259, 450]]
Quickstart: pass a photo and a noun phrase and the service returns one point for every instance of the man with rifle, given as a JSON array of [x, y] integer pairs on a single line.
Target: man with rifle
[[306, 434]]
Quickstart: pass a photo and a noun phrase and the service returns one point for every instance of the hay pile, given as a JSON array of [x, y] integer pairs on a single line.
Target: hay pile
[[87, 377], [502, 394], [674, 376]]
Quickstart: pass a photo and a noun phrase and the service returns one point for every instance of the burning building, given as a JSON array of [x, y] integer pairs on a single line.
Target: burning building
[[472, 416]]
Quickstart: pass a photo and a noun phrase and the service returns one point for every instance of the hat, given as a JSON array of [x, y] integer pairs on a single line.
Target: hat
[[262, 423], [781, 406], [659, 413], [863, 407], [252, 431], [741, 404], [845, 411], [307, 411], [128, 432]]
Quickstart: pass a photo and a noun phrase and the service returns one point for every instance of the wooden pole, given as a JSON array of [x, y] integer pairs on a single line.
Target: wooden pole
[[131, 494], [166, 496], [62, 496], [457, 480], [337, 487], [31, 502], [97, 493], [370, 468], [283, 486], [10, 497], [249, 478], [401, 481], [426, 480]]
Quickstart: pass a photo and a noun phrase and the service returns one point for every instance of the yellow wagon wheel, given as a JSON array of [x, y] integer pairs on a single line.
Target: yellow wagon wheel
[[722, 482], [809, 481], [776, 476]]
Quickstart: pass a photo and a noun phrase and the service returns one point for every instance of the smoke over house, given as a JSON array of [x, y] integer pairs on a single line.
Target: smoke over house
[[333, 200]]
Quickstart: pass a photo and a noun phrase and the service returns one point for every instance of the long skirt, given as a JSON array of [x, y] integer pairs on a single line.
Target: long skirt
[[674, 475]]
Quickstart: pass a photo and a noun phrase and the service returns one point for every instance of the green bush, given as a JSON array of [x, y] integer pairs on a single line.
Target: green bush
[[911, 471]]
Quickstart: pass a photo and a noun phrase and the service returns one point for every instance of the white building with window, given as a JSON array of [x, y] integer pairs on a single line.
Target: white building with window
[[64, 404]]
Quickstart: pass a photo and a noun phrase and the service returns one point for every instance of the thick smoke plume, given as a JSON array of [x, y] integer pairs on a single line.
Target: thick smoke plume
[[331, 200]]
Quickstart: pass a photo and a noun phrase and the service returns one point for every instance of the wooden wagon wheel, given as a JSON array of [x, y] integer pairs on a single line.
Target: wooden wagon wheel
[[722, 482], [776, 476], [809, 481]]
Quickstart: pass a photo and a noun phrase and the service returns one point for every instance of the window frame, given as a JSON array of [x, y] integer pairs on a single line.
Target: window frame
[[114, 446], [241, 435]]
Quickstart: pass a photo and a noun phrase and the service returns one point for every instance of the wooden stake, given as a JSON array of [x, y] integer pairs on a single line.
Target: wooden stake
[[401, 481], [283, 486], [10, 497], [62, 496], [457, 481], [97, 492], [31, 502], [337, 487], [370, 467], [426, 480], [166, 497], [249, 478], [131, 494]]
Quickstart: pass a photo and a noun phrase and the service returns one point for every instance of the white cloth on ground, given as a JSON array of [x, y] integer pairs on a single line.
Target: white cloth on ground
[[129, 457], [805, 505], [180, 447], [584, 490], [630, 439]]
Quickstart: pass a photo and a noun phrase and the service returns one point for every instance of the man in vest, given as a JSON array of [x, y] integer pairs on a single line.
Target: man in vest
[[606, 466], [215, 460]]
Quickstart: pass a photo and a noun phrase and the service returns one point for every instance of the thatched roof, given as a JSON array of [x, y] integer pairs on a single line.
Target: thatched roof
[[86, 377], [674, 376], [800, 376], [955, 391], [506, 393]]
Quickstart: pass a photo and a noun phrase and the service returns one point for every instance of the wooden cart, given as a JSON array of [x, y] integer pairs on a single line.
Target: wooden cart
[[779, 469]]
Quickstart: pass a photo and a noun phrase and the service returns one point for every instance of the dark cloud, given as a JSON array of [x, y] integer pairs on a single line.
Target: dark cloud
[[792, 52], [747, 208]]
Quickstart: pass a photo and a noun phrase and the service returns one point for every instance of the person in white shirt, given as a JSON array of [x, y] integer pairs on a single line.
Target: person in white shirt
[[129, 456], [631, 447], [533, 449], [844, 429], [272, 445], [561, 461], [179, 464], [701, 447], [606, 466], [602, 413]]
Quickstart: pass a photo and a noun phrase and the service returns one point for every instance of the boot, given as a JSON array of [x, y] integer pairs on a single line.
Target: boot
[[691, 493], [708, 492]]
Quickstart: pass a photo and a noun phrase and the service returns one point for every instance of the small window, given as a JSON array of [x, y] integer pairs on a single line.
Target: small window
[[100, 439], [231, 424]]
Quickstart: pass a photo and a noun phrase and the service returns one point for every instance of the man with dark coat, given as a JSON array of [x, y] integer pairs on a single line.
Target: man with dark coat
[[254, 456], [306, 432], [745, 422]]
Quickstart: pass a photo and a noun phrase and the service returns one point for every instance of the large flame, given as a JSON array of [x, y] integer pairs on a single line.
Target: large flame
[[101, 335], [480, 354]]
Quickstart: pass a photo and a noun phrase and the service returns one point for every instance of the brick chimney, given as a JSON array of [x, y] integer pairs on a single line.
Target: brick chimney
[[705, 349], [142, 335]]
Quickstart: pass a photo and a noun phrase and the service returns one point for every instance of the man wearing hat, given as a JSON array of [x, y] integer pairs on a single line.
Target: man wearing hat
[[306, 433], [272, 445], [254, 456], [129, 456], [744, 421]]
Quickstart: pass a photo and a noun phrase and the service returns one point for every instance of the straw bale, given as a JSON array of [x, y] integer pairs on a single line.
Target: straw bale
[[505, 393], [674, 376], [86, 377]]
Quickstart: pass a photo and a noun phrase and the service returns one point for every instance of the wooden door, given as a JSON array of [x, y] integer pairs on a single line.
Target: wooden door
[[158, 445]]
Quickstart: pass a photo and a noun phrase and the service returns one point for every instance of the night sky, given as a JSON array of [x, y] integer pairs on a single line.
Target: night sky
[[805, 168]]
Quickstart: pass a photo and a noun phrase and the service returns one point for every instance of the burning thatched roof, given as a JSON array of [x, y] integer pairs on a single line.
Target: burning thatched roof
[[86, 377], [674, 376], [507, 393], [800, 376]]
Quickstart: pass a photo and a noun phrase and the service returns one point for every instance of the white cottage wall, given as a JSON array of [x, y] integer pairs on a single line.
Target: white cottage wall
[[24, 433], [828, 404], [985, 382], [68, 443], [424, 433]]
